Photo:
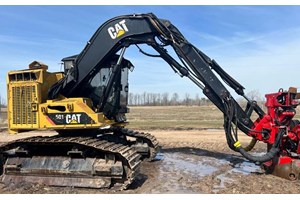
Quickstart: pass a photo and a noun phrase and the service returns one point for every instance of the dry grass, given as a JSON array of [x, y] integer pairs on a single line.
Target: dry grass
[[178, 117], [175, 117]]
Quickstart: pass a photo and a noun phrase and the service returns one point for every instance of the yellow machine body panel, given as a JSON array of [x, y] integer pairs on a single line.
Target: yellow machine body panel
[[29, 109], [26, 89], [71, 113]]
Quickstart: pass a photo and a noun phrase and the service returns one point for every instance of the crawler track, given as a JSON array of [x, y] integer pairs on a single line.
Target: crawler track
[[142, 138], [70, 161]]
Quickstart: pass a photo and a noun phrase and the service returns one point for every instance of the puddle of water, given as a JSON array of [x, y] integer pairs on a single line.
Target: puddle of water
[[178, 171], [159, 156], [213, 130], [189, 164], [246, 168], [216, 162]]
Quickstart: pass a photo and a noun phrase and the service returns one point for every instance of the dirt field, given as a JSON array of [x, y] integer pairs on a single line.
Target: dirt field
[[190, 162], [194, 157]]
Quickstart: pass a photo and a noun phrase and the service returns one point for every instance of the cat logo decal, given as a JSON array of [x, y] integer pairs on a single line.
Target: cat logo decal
[[118, 29]]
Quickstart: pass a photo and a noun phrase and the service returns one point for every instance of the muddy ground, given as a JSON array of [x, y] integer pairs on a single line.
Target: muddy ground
[[190, 162]]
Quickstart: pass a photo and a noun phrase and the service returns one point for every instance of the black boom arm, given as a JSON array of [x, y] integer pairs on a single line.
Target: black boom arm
[[126, 30]]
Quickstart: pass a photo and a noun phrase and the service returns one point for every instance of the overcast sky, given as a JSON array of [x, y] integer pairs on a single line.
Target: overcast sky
[[257, 45]]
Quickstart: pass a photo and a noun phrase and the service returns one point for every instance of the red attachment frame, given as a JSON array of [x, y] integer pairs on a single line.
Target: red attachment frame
[[280, 112]]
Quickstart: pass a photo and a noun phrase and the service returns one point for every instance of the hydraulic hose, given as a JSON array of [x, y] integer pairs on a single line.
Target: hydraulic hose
[[259, 159], [251, 145], [234, 144], [268, 156]]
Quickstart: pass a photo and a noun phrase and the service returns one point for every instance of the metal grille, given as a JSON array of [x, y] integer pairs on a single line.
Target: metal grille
[[22, 97]]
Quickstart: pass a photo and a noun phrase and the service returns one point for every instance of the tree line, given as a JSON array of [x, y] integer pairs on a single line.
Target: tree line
[[174, 99], [166, 99]]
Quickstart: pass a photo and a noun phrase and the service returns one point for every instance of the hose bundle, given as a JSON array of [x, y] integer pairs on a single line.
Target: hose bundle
[[231, 131]]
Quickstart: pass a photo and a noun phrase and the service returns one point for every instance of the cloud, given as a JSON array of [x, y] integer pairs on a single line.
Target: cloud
[[271, 61]]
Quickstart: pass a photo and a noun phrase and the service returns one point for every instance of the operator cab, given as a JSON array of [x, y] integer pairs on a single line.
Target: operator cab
[[115, 105]]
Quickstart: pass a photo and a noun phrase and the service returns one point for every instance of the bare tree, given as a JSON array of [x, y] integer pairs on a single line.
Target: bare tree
[[175, 99], [255, 95], [130, 99], [143, 98], [197, 100], [187, 100], [138, 99], [165, 99], [154, 99], [135, 99], [159, 99]]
